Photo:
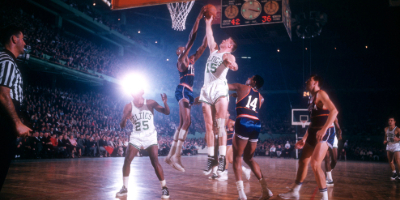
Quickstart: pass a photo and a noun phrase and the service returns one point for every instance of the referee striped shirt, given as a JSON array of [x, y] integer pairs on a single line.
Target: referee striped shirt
[[10, 76]]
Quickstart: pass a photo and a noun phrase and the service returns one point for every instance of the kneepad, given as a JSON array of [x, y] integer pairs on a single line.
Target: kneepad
[[221, 127], [182, 135]]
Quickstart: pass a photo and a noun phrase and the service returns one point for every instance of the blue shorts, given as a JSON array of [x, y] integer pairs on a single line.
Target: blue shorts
[[329, 136], [183, 92], [229, 136], [247, 129]]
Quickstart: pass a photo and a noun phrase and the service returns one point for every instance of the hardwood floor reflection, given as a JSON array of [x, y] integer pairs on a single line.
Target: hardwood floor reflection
[[101, 178]]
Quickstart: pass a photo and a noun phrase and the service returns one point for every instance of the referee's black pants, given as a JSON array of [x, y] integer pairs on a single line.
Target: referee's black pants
[[7, 150]]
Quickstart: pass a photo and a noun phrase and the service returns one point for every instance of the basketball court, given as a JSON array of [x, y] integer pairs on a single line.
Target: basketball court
[[100, 178]]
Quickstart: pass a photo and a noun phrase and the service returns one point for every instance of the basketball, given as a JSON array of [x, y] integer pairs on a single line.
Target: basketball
[[210, 10]]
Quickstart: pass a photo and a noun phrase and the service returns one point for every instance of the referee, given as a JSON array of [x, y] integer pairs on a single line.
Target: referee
[[10, 96]]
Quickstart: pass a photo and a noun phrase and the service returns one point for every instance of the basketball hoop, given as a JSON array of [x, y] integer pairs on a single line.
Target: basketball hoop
[[303, 123], [179, 12]]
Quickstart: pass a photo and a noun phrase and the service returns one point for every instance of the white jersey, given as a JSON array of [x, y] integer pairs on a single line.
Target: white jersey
[[390, 135], [215, 69], [142, 119], [391, 144]]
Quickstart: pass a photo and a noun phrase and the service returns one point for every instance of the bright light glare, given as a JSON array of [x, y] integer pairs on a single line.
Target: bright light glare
[[134, 83]]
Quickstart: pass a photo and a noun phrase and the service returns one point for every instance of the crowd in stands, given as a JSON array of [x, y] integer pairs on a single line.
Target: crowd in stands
[[55, 45], [67, 123]]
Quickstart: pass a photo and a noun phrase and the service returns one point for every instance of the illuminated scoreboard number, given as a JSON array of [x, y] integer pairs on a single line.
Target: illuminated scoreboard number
[[235, 22], [266, 19]]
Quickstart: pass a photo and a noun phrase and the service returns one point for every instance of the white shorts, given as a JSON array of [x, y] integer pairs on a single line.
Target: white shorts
[[143, 140], [393, 146], [211, 92], [335, 142]]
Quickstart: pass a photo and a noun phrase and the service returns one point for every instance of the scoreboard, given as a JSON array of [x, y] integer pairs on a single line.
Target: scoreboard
[[236, 13]]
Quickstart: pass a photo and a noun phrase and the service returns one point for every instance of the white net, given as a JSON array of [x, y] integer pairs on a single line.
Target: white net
[[179, 13]]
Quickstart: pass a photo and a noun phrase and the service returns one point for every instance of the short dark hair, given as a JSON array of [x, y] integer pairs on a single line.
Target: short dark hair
[[234, 45], [7, 32], [392, 117], [318, 78], [259, 81]]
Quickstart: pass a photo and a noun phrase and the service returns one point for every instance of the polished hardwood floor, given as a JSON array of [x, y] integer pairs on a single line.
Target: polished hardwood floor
[[101, 178]]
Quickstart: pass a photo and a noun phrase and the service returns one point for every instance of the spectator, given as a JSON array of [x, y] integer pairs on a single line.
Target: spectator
[[279, 151], [272, 151]]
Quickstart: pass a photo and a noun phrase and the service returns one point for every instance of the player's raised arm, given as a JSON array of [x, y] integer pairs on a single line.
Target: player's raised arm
[[333, 112], [230, 61], [210, 36], [192, 35], [126, 114], [261, 100], [158, 107], [200, 50], [234, 86]]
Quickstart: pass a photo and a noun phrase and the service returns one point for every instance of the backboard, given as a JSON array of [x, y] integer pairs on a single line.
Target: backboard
[[300, 117], [125, 4]]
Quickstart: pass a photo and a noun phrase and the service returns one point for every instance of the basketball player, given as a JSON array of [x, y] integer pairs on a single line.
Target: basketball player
[[230, 129], [184, 94], [331, 154], [318, 138], [144, 136], [392, 139], [247, 129], [214, 93]]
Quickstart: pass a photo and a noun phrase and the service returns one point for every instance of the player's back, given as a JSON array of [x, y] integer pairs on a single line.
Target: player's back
[[215, 70], [142, 119], [249, 105]]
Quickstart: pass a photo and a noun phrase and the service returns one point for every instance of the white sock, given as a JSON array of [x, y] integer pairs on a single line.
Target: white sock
[[125, 180], [244, 168], [210, 151], [222, 150], [214, 169], [239, 185], [163, 183], [329, 175], [297, 187], [178, 150], [394, 171], [324, 194], [173, 148]]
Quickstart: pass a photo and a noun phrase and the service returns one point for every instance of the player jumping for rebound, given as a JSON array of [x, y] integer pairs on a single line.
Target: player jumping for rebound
[[318, 138], [214, 93], [184, 94], [247, 129], [392, 139], [331, 154], [230, 129], [144, 136]]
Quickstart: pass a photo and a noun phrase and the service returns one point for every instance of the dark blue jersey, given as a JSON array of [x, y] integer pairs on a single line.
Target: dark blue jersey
[[187, 77], [318, 116], [249, 105]]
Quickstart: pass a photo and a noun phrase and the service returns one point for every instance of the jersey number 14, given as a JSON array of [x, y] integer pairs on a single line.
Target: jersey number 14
[[252, 104]]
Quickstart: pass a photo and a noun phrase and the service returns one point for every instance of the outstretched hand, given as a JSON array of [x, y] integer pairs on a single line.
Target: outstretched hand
[[208, 21], [164, 97]]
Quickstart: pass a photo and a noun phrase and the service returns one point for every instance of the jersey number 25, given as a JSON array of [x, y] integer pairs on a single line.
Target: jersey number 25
[[144, 125]]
